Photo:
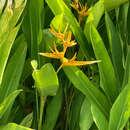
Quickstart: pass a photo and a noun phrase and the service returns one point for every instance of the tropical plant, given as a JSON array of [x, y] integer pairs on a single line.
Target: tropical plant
[[65, 64]]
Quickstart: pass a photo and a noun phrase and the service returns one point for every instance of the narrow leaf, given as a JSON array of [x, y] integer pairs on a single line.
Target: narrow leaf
[[53, 110], [105, 67], [27, 121], [13, 126], [8, 101], [5, 48], [86, 118], [127, 70], [100, 120], [120, 111], [13, 71], [94, 17], [116, 49]]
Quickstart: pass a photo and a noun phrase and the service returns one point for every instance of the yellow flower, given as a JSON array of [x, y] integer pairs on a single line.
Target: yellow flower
[[81, 10], [66, 42]]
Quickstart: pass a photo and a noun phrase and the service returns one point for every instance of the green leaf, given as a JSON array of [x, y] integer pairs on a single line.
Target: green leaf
[[5, 20], [10, 17], [13, 126], [46, 80], [122, 21], [82, 83], [86, 118], [59, 7], [94, 17], [111, 4], [8, 32], [17, 12], [106, 69], [77, 101], [116, 49], [120, 111], [27, 121], [5, 47], [2, 3], [8, 101], [99, 119], [13, 71], [127, 70], [53, 110], [32, 28]]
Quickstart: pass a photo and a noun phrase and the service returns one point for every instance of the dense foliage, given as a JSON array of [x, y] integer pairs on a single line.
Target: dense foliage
[[65, 64]]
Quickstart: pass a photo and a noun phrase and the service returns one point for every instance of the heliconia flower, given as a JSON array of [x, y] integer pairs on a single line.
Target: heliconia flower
[[81, 10], [66, 42]]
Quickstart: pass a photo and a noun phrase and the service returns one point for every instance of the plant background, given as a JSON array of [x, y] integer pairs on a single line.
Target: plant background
[[93, 97]]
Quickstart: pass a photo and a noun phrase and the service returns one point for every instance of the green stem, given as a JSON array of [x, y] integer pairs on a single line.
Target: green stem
[[42, 103]]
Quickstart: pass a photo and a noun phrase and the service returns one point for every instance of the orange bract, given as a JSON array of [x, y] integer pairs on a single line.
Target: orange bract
[[66, 42], [55, 53], [81, 10]]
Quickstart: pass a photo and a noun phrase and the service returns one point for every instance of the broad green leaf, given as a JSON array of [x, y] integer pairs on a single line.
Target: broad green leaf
[[94, 17], [127, 70], [13, 71], [111, 4], [27, 121], [8, 101], [59, 7], [53, 110], [86, 118], [99, 119], [5, 48], [120, 111], [46, 80], [82, 83], [32, 28], [116, 48], [13, 126], [77, 101], [106, 70]]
